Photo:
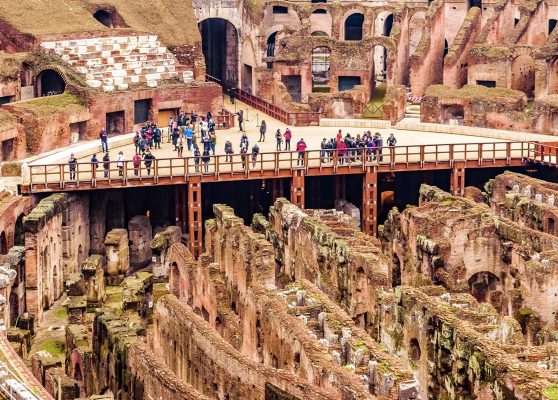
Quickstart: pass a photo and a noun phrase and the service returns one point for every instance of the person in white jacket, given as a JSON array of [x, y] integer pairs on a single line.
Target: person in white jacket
[[120, 163]]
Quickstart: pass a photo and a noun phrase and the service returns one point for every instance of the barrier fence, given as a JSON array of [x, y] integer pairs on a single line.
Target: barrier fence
[[236, 166]]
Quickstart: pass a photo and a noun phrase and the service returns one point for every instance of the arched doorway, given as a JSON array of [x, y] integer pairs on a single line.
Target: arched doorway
[[50, 82], [353, 26], [396, 271], [523, 75], [220, 50], [19, 234], [3, 243], [388, 25], [446, 47], [109, 18], [270, 48], [553, 77]]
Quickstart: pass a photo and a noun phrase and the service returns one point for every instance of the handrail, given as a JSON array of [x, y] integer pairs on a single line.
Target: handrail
[[293, 118], [58, 175]]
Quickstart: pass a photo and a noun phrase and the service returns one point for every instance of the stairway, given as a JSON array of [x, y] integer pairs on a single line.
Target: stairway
[[113, 63], [412, 111]]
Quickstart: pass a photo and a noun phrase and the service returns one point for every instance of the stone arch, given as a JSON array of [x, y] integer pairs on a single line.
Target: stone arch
[[320, 65], [383, 23], [321, 21], [50, 81], [353, 26], [482, 283], [220, 44], [414, 350], [380, 63], [319, 33], [523, 75], [416, 29]]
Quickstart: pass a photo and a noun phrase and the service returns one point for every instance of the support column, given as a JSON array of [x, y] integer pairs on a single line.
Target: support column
[[276, 189], [297, 188], [457, 184], [195, 217], [370, 201]]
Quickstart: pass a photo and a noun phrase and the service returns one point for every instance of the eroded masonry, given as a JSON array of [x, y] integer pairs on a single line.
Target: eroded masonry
[[455, 299]]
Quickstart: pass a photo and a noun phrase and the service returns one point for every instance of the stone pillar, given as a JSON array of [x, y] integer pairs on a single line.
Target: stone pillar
[[457, 184], [118, 258], [195, 217], [139, 233], [297, 188], [370, 201], [160, 246], [93, 273]]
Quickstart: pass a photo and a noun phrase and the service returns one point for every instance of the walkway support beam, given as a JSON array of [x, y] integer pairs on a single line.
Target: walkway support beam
[[195, 217], [370, 201]]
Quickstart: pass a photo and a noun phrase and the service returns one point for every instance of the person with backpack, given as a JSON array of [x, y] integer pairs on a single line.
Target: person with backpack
[[72, 164], [175, 135], [228, 150], [120, 163], [157, 137], [301, 150], [94, 165], [279, 139], [263, 128], [106, 164], [288, 135], [104, 140], [136, 161], [244, 141], [255, 152], [148, 160]]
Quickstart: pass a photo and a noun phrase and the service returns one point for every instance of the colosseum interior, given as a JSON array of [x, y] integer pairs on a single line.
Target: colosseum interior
[[421, 269]]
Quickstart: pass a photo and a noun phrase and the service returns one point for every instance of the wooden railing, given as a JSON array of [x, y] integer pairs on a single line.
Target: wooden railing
[[222, 167], [306, 118]]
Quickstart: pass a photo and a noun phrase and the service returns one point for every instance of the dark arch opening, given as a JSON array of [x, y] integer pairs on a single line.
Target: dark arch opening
[[78, 376], [319, 33], [220, 50], [414, 350], [551, 25], [319, 11], [270, 52], [319, 1], [19, 234], [3, 243], [475, 3], [396, 272], [50, 83], [446, 47], [388, 25], [353, 26]]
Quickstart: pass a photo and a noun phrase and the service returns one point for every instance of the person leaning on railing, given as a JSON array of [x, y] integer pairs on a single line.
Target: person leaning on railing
[[94, 165], [72, 164]]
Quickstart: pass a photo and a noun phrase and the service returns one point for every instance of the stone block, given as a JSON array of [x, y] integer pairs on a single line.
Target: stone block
[[94, 83], [116, 245], [140, 235], [75, 284]]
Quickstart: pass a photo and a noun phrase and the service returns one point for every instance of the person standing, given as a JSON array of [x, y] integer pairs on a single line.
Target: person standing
[[341, 150], [231, 95], [301, 149], [212, 141], [189, 136], [263, 128], [391, 140], [204, 126], [181, 122], [323, 147], [94, 165], [120, 160], [379, 142], [197, 157], [157, 137], [244, 141], [104, 139], [148, 160], [180, 146], [137, 139], [279, 139], [136, 161], [288, 135], [106, 164], [228, 150], [72, 164], [243, 152], [240, 115], [206, 142], [255, 152], [171, 123], [175, 135], [205, 159]]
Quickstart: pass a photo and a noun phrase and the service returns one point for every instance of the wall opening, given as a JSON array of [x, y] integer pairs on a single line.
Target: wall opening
[[553, 77], [6, 99], [481, 284], [396, 272], [293, 83], [388, 25], [280, 10], [379, 54], [551, 25], [109, 18], [220, 50], [446, 47], [115, 123], [19, 234], [523, 75], [475, 3], [488, 84], [49, 83], [78, 130], [414, 350], [3, 243], [348, 82], [270, 48], [319, 33], [142, 109], [320, 69], [551, 226], [247, 78], [8, 152], [353, 26], [453, 112]]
